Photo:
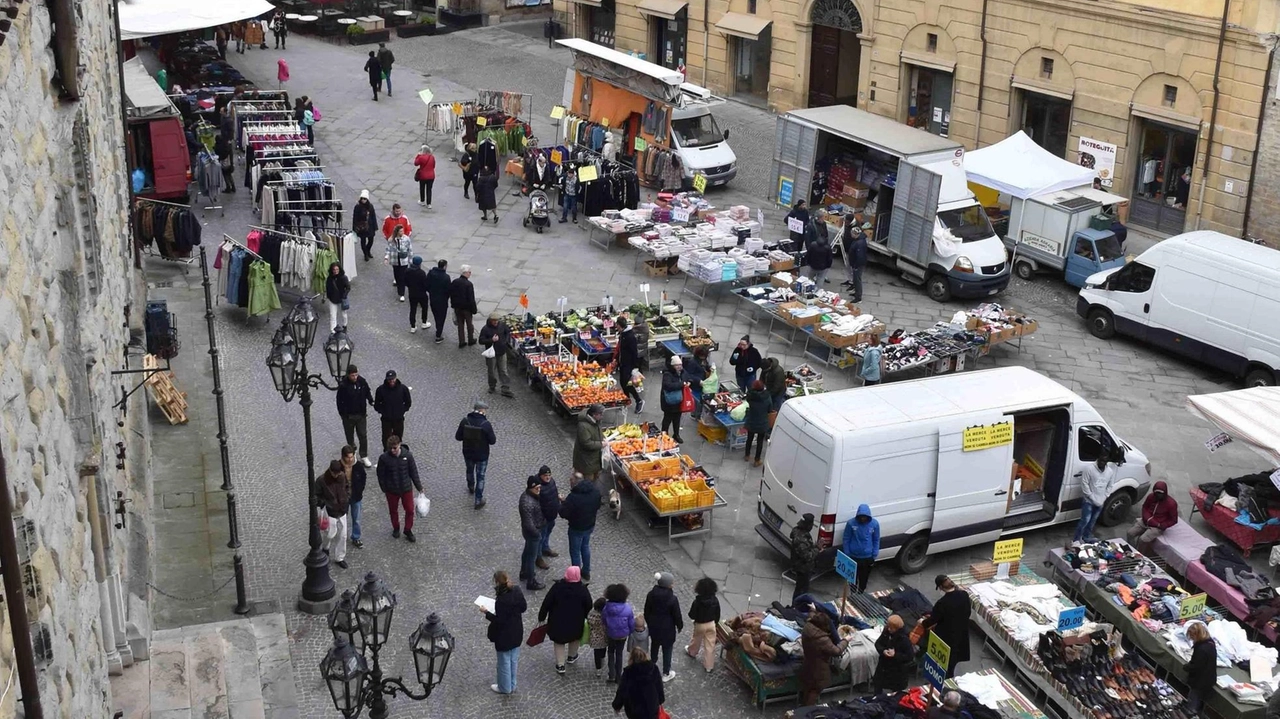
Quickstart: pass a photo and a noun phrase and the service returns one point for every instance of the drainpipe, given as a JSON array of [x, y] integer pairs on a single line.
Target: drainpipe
[[96, 536], [19, 625], [982, 74], [1213, 114], [1257, 140], [706, 33]]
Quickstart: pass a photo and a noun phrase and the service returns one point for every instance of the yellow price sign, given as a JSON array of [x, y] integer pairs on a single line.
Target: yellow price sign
[[700, 182], [557, 112], [938, 650], [482, 121], [604, 121], [587, 173], [1192, 606], [1009, 550], [556, 157], [986, 436]]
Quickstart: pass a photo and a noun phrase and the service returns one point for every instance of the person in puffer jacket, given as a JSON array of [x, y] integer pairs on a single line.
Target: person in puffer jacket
[[619, 623], [397, 478], [861, 542], [531, 524], [1159, 512]]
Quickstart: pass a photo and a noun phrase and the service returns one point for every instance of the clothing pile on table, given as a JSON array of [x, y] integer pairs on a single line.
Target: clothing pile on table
[[1025, 610], [1095, 557], [1234, 648], [1153, 602], [1225, 563], [910, 704], [1254, 498]]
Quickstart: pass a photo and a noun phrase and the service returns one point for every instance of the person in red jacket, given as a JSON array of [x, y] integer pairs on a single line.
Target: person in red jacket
[[1159, 512], [395, 218], [425, 175]]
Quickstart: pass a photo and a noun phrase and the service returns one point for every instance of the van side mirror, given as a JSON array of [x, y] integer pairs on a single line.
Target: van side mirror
[[726, 134]]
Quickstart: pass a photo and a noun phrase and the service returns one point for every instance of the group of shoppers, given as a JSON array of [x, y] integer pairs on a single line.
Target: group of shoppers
[[811, 232]]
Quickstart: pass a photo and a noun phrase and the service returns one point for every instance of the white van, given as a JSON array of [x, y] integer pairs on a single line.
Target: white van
[[944, 463], [697, 138], [1204, 295]]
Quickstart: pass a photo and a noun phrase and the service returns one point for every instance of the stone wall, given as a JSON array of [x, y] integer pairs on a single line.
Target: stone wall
[[1264, 213], [66, 278]]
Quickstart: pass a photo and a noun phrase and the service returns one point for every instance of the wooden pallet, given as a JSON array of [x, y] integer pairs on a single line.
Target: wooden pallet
[[170, 401]]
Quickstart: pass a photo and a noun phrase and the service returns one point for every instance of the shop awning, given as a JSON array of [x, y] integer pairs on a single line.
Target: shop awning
[[145, 18], [742, 25], [1019, 167], [1251, 416], [661, 8]]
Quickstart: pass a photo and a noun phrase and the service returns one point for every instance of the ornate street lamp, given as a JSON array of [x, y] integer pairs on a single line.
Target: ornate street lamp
[[344, 670], [345, 623], [337, 350], [432, 646]]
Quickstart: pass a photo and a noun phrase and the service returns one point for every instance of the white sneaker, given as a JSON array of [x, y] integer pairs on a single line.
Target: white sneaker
[[422, 202], [668, 676], [366, 462], [495, 688], [424, 326], [402, 298], [413, 329], [428, 206]]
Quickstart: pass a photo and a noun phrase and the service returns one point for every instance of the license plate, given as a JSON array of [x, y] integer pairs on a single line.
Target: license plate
[[770, 516]]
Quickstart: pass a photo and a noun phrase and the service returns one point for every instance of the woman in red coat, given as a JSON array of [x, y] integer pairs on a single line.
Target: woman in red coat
[[425, 175]]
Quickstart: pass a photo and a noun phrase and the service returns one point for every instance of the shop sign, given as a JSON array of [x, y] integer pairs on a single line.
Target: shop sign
[[1042, 243], [934, 673], [1218, 441], [640, 144], [680, 215], [1008, 550], [426, 96], [1098, 156], [481, 120], [1192, 606], [1069, 619], [795, 225], [786, 187], [556, 157], [846, 567], [938, 651], [986, 436], [700, 182], [587, 173], [557, 112]]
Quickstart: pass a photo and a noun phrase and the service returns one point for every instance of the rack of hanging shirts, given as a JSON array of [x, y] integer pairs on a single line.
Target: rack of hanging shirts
[[302, 199], [165, 229], [301, 262], [244, 277], [208, 174], [267, 163], [616, 187], [515, 104]]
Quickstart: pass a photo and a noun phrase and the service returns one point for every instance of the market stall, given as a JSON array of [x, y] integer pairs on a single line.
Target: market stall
[[676, 491], [995, 692]]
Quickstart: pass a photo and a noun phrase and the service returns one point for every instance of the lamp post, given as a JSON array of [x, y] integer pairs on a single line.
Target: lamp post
[[288, 364], [361, 624]]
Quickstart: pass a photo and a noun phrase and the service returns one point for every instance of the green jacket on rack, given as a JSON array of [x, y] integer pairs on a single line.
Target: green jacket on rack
[[262, 289], [324, 258]]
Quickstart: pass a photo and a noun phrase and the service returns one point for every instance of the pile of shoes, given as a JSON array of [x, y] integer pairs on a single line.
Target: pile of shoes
[[1112, 688]]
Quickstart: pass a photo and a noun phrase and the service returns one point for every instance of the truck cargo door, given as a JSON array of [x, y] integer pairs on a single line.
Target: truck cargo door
[[975, 462], [169, 158], [915, 205], [795, 149]]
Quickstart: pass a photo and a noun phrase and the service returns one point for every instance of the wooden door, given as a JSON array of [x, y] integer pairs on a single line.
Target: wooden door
[[824, 66]]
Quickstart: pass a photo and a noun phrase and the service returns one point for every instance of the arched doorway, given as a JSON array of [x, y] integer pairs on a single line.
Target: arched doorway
[[834, 53]]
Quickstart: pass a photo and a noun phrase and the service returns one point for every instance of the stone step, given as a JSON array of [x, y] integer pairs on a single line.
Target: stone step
[[237, 669]]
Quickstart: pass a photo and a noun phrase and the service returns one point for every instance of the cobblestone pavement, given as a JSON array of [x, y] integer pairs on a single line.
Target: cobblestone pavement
[[370, 145]]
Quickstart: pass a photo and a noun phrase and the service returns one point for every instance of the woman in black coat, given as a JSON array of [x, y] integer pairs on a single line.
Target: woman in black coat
[[950, 620], [759, 405], [897, 657], [662, 616], [487, 194], [628, 360], [640, 692], [1202, 670], [673, 385], [374, 68], [506, 630], [336, 290], [565, 610]]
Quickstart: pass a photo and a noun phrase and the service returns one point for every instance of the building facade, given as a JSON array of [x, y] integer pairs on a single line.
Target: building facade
[[68, 310], [1165, 95]]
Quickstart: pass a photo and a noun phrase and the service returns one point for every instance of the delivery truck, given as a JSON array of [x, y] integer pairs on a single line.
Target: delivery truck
[[946, 462], [159, 161], [1067, 232], [909, 185]]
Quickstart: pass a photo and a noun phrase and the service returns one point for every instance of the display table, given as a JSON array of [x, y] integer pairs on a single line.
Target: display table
[[1016, 707], [1228, 596], [1224, 520], [720, 429], [1073, 580], [599, 226], [768, 681], [617, 468], [1180, 545]]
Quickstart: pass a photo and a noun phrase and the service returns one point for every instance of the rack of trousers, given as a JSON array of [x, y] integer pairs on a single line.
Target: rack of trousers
[[166, 229], [244, 278]]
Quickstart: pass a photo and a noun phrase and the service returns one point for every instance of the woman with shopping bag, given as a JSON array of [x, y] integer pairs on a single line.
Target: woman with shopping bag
[[564, 611], [674, 391]]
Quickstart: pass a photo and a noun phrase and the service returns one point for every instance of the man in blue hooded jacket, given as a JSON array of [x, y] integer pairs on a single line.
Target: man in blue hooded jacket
[[862, 542]]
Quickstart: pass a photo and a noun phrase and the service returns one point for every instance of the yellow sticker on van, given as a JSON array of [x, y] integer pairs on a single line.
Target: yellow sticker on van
[[985, 436]]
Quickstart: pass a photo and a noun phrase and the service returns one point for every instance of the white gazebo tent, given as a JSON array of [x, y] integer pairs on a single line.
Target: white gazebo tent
[[145, 18], [1018, 167], [1250, 416]]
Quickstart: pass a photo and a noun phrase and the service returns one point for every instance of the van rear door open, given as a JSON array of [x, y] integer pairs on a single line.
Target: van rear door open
[[798, 449], [972, 496]]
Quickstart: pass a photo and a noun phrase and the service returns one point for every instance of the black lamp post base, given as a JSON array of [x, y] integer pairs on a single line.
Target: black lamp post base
[[319, 595], [322, 607]]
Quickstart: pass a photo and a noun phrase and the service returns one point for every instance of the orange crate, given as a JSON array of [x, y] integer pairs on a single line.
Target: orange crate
[[664, 504], [653, 468], [704, 496]]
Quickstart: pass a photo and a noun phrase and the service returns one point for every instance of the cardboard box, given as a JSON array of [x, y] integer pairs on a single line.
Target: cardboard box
[[982, 571], [779, 265], [1027, 327], [856, 190], [656, 268], [778, 281]]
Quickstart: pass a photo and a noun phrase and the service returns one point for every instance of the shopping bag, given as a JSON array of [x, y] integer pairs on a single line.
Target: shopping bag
[[489, 352], [739, 413], [686, 401], [537, 636], [315, 113], [324, 521], [662, 713], [711, 384], [421, 505], [586, 634]]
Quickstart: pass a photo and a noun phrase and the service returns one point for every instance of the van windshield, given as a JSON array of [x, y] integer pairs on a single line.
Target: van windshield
[[697, 131], [967, 223], [1108, 249]]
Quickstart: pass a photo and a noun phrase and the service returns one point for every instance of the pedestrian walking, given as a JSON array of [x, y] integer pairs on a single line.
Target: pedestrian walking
[[374, 68], [396, 218], [775, 382], [1096, 487], [872, 369], [897, 657], [854, 244], [398, 478], [237, 33], [467, 163], [487, 193], [364, 221], [1159, 512], [949, 619], [569, 193], [746, 361], [819, 255], [818, 650], [337, 290], [223, 148], [506, 630], [564, 610], [221, 38], [673, 385], [282, 73], [477, 436], [704, 612], [804, 555], [861, 543], [589, 443], [354, 398], [399, 255], [392, 402], [550, 498], [619, 621], [759, 406], [385, 60], [333, 497], [662, 614], [425, 174], [531, 521], [640, 694], [597, 639], [462, 298], [496, 336], [438, 296], [629, 362], [356, 478], [280, 30], [309, 120], [579, 511], [415, 283]]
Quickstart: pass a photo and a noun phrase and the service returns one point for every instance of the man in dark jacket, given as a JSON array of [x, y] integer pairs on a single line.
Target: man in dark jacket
[[949, 619], [628, 360], [374, 68], [746, 361], [392, 401], [1159, 512], [497, 335], [415, 284], [579, 510], [333, 495], [506, 630], [549, 497], [397, 478], [354, 398], [818, 253], [775, 382], [356, 477], [662, 616], [476, 435], [364, 221], [531, 523], [386, 59], [804, 554], [855, 256], [462, 298], [438, 294], [588, 443]]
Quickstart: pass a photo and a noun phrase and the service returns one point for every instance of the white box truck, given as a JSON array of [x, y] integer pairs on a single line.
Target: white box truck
[[1204, 295], [944, 463], [918, 191]]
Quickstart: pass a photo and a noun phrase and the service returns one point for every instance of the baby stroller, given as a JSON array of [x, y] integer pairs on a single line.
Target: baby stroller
[[539, 211]]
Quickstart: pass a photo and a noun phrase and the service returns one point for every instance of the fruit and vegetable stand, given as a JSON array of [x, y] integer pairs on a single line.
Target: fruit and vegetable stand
[[673, 486], [717, 425]]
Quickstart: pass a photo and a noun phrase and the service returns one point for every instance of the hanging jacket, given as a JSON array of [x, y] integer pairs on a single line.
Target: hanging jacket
[[1160, 513], [462, 295], [426, 164], [392, 402], [477, 436], [353, 397], [862, 541]]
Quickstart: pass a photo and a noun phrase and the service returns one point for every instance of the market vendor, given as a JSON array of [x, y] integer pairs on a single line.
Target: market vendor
[[1159, 512], [746, 362]]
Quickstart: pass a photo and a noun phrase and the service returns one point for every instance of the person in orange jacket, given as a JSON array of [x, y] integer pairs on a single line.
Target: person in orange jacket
[[395, 218]]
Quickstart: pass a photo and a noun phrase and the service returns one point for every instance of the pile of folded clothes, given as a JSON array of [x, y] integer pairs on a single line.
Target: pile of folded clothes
[[1253, 497], [1025, 610], [1227, 564]]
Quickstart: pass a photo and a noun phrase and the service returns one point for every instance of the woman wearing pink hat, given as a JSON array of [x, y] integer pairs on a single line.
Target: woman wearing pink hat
[[564, 611]]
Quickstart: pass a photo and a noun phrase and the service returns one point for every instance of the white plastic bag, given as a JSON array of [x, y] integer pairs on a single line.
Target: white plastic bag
[[421, 504], [489, 352]]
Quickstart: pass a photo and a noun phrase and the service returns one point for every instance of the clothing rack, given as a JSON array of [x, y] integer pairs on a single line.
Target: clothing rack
[[241, 245], [151, 250], [301, 238], [592, 154], [526, 102], [161, 202]]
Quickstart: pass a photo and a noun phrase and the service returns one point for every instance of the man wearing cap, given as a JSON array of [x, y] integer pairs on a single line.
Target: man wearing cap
[[392, 401], [950, 620], [354, 399], [476, 435], [497, 335], [531, 522], [462, 298], [589, 442], [549, 497]]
